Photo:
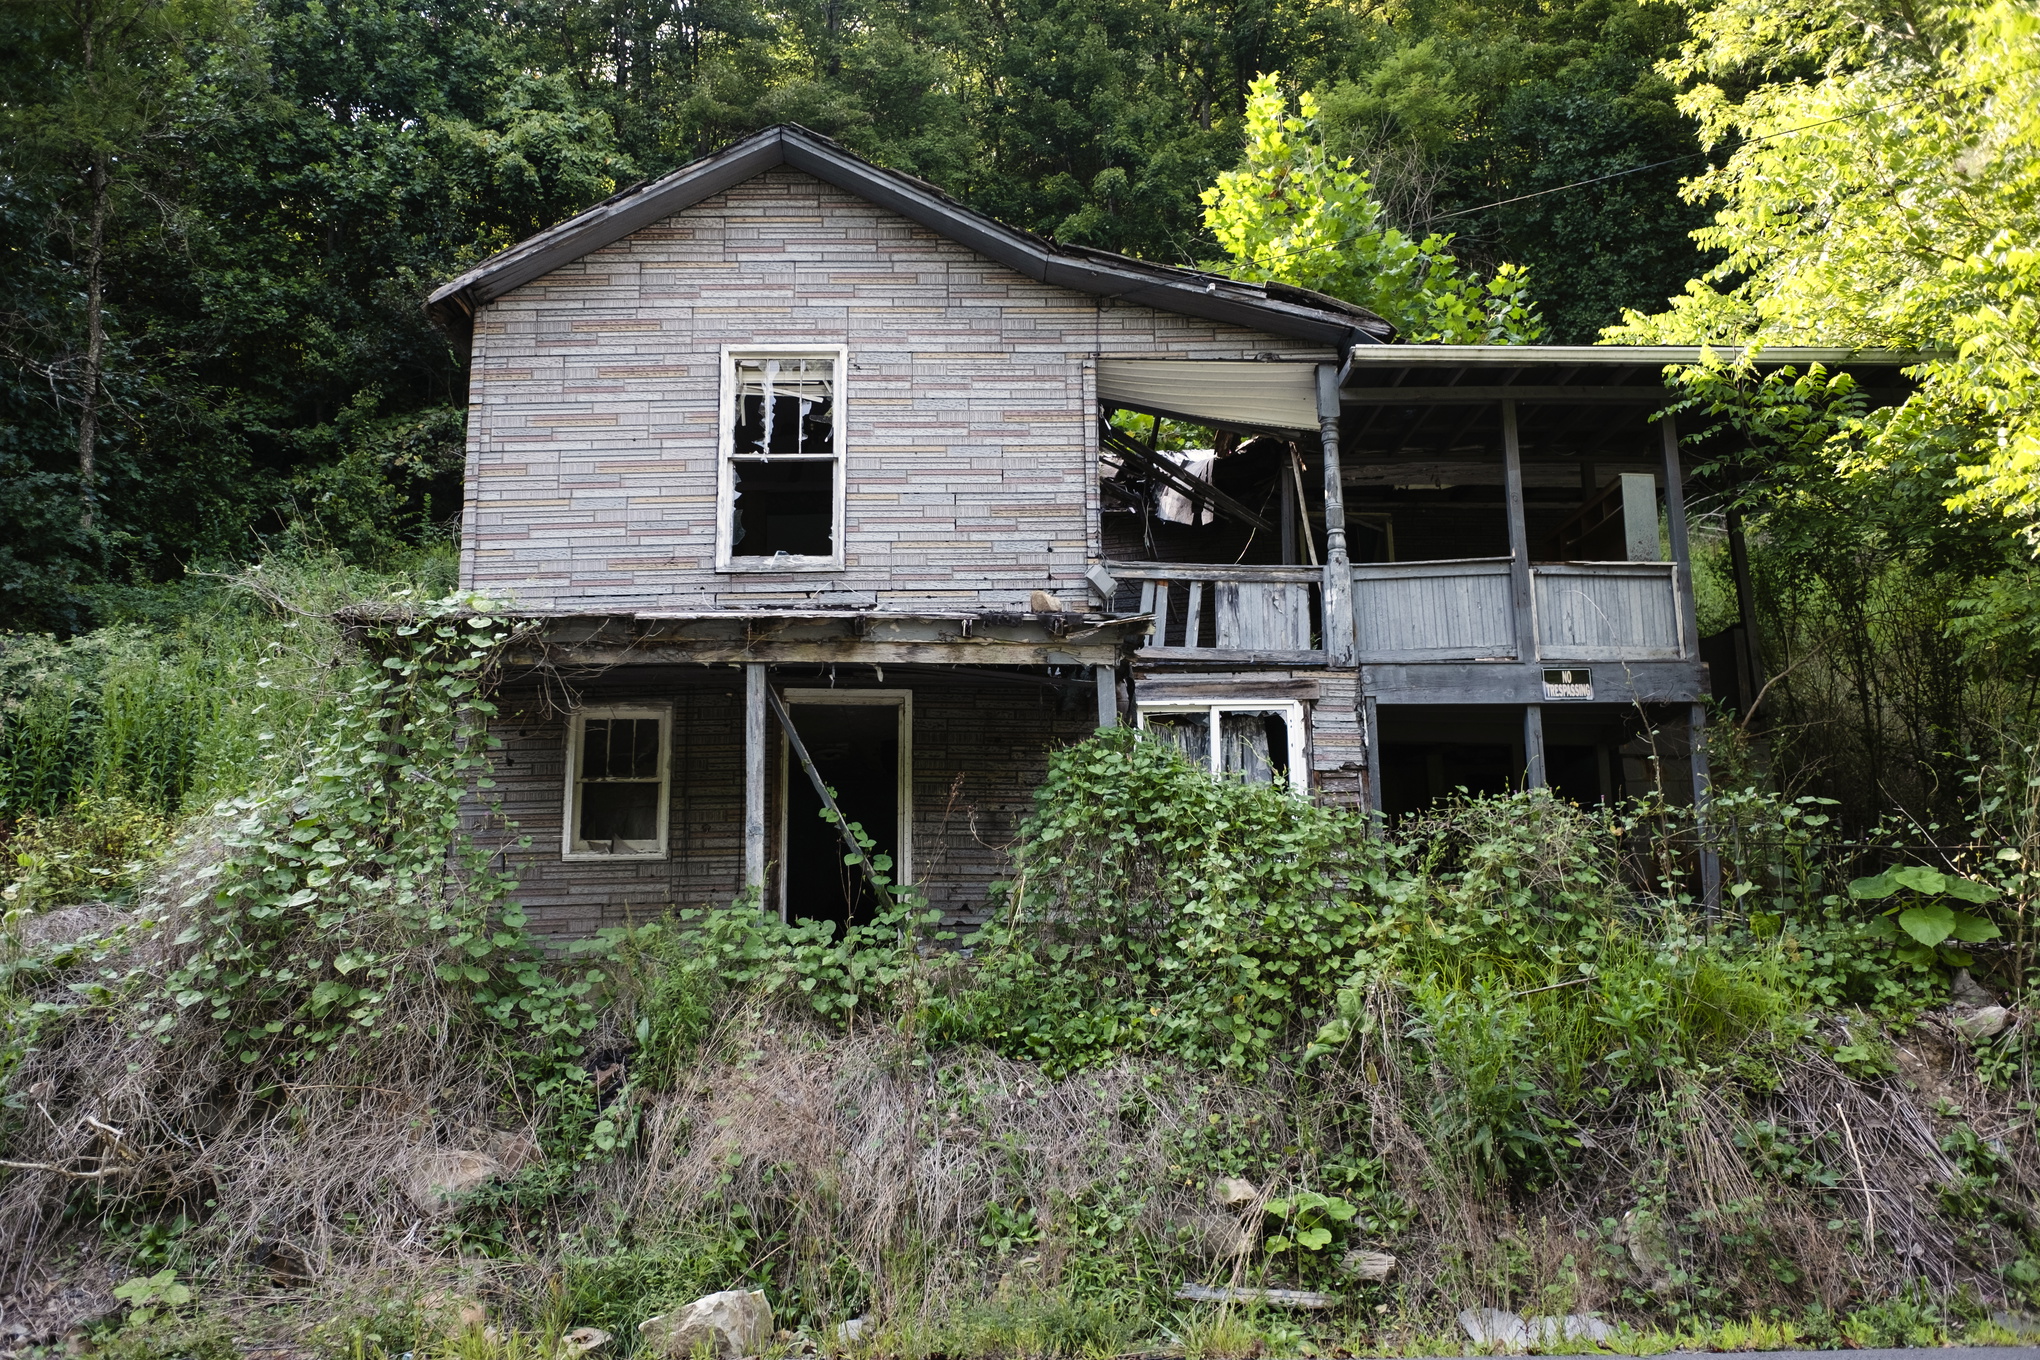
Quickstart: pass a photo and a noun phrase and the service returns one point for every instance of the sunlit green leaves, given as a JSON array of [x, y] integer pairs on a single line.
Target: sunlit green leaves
[[1881, 193], [1294, 214]]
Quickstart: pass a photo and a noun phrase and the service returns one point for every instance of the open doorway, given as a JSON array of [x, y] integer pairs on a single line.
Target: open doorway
[[862, 747]]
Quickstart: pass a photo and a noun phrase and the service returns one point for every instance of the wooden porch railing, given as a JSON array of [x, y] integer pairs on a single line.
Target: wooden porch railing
[[1210, 612], [1460, 611]]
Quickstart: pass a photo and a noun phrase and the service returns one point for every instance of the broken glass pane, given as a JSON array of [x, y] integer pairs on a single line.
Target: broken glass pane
[[618, 810], [785, 406], [1255, 746], [784, 507], [1189, 733], [620, 748]]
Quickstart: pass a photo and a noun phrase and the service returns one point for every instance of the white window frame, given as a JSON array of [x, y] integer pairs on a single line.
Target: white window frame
[[577, 727], [1291, 709], [725, 443], [901, 699]]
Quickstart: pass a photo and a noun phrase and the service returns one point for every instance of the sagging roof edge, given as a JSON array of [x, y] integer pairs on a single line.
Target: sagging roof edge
[[1275, 308], [1401, 355]]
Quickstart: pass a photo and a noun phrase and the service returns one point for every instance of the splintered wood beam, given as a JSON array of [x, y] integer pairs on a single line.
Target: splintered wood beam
[[1281, 1298], [1188, 483]]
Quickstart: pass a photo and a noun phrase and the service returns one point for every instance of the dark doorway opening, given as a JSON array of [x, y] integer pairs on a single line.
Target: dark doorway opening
[[1414, 776], [1577, 773], [856, 750]]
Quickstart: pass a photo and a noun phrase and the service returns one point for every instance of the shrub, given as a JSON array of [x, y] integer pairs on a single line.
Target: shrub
[[1155, 907]]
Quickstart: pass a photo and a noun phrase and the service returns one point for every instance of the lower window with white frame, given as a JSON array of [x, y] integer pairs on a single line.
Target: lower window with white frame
[[618, 781], [1261, 743]]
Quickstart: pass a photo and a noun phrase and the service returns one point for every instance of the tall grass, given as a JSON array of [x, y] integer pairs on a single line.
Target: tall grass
[[174, 714]]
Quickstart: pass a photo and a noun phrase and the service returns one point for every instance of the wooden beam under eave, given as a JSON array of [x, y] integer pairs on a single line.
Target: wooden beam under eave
[[1466, 396], [973, 652]]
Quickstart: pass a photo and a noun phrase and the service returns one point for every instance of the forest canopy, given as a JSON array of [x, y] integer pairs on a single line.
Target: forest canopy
[[260, 192]]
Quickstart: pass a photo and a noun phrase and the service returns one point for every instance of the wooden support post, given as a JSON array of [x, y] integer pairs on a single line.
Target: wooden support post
[[1519, 536], [1682, 553], [754, 779], [1338, 587], [1746, 608], [1370, 717], [1108, 695], [1533, 746], [1710, 863]]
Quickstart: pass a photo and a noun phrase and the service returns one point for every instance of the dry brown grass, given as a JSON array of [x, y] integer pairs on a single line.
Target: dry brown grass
[[313, 1158], [870, 1148]]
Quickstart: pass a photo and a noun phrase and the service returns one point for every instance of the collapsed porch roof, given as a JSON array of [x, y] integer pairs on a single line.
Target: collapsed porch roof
[[875, 637]]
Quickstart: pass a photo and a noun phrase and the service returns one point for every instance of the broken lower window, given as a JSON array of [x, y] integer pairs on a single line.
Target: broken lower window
[[1257, 743], [1189, 733], [783, 436], [618, 802], [1254, 746], [783, 507]]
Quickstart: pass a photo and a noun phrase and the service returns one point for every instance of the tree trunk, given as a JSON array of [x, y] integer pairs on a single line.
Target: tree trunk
[[95, 342]]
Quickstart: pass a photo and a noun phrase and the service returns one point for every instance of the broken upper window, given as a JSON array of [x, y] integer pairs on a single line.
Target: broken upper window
[[617, 782], [782, 486], [1259, 743]]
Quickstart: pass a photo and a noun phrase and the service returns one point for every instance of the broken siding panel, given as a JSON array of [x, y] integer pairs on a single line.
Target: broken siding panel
[[1338, 745], [969, 446]]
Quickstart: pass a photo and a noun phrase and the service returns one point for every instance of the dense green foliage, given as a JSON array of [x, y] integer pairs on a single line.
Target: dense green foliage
[[1881, 192], [1422, 1042], [1155, 909], [287, 180], [1873, 186], [325, 932]]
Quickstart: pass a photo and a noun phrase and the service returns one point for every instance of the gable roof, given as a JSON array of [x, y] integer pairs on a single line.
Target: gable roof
[[1272, 307]]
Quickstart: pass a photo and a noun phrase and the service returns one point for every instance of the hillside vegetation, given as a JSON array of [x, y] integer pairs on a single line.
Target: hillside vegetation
[[1218, 1035]]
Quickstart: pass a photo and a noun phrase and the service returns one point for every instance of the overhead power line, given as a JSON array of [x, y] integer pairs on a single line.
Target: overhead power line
[[1675, 160]]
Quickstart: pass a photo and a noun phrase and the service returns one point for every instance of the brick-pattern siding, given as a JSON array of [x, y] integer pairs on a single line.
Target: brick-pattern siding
[[970, 446]]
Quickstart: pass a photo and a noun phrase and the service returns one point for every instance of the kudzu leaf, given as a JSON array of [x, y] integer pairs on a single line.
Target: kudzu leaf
[[1973, 929], [1920, 879], [1929, 925]]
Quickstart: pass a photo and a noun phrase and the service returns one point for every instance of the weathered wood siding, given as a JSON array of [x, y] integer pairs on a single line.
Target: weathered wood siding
[[591, 479], [980, 749]]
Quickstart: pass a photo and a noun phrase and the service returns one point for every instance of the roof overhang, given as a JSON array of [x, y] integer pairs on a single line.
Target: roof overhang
[[1276, 309], [1427, 400]]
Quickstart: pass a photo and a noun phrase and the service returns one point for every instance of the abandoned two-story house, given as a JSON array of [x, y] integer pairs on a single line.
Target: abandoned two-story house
[[816, 479]]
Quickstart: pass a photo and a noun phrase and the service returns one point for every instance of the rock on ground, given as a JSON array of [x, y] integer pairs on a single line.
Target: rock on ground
[[733, 1323], [441, 1176], [1494, 1327], [1368, 1265]]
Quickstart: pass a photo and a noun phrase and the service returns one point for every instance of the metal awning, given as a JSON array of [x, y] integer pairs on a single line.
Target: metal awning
[[1239, 394]]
